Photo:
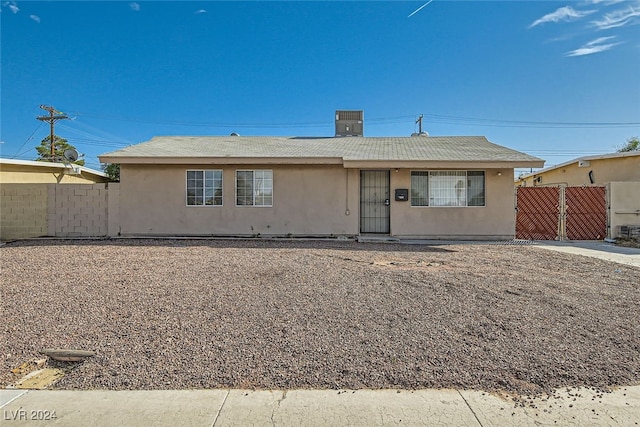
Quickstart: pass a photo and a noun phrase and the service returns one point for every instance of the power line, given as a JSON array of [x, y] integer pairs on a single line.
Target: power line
[[27, 140], [205, 124], [526, 123], [432, 118], [92, 136]]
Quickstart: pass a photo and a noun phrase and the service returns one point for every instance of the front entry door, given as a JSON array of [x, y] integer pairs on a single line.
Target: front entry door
[[374, 202]]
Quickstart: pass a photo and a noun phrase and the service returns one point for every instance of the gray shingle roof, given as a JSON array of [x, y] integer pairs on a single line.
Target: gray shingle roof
[[418, 148]]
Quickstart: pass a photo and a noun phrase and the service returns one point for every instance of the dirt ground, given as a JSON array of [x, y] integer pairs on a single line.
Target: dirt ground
[[177, 314], [628, 243]]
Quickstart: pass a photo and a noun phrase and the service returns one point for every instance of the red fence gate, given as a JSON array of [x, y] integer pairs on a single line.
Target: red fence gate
[[538, 212], [557, 213], [586, 209]]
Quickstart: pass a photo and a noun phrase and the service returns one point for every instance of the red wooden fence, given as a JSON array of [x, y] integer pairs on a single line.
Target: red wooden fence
[[586, 213], [538, 210], [550, 213]]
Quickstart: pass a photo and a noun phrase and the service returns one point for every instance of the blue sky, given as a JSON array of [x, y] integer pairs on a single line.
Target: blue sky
[[557, 79]]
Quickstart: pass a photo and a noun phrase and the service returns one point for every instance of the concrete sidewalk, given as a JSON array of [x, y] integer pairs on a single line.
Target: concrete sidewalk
[[584, 407], [595, 249], [590, 248]]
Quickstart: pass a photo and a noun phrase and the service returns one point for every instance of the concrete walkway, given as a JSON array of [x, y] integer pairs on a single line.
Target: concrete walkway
[[579, 407], [590, 248], [595, 249]]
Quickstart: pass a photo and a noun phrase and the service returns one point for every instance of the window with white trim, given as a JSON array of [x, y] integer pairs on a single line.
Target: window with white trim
[[447, 188], [254, 188], [419, 188], [204, 188], [475, 188]]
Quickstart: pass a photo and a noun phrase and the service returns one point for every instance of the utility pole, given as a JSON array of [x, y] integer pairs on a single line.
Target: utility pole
[[53, 116], [419, 121]]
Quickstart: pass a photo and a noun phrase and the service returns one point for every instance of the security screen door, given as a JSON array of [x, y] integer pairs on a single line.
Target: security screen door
[[374, 202]]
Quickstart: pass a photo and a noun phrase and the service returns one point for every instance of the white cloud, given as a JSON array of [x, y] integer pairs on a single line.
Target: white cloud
[[198, 12], [618, 18], [594, 46], [12, 5], [566, 13], [606, 2], [35, 18], [134, 6], [562, 38]]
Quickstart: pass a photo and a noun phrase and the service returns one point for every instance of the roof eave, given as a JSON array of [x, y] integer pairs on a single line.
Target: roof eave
[[347, 163], [221, 160], [50, 165], [453, 164]]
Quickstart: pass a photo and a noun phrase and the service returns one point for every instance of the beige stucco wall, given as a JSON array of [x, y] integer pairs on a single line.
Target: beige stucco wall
[[495, 220], [21, 174], [624, 199], [113, 209], [311, 200], [604, 171], [23, 211]]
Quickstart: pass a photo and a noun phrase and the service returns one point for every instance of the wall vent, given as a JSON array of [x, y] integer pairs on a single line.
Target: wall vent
[[349, 123]]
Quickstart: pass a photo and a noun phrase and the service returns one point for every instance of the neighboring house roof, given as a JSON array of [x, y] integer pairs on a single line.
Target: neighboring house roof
[[51, 165], [578, 160], [350, 151]]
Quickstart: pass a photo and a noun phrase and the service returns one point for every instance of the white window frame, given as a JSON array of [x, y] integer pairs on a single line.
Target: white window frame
[[204, 188], [257, 187], [434, 177], [448, 189]]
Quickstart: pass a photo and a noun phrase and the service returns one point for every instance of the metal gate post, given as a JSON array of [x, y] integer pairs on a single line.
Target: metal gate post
[[562, 212], [607, 198]]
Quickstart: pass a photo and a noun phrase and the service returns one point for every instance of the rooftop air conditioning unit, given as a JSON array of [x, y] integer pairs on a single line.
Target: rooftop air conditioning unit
[[349, 123]]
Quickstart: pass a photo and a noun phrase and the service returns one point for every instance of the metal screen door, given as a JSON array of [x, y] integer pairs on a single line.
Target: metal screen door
[[374, 202]]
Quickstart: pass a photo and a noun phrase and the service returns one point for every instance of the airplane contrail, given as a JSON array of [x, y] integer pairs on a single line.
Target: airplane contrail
[[419, 9]]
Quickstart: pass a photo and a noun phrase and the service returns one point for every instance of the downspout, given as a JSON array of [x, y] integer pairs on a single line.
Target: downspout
[[346, 193]]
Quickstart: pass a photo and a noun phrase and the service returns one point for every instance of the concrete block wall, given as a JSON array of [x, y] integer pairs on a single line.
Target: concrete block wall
[[23, 211], [77, 210], [59, 210]]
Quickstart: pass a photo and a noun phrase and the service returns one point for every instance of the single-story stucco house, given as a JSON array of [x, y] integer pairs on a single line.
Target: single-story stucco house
[[455, 187], [14, 171], [588, 170]]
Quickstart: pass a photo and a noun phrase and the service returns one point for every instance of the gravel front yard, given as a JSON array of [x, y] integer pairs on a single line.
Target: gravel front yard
[[174, 314]]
